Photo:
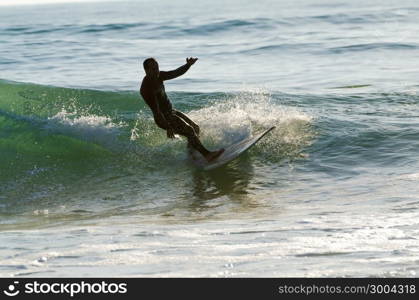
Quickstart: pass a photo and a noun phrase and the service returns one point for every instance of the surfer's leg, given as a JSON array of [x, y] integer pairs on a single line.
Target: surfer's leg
[[160, 122], [195, 143], [187, 120], [182, 128]]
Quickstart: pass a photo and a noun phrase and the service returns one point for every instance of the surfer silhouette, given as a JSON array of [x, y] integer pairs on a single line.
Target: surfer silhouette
[[173, 121]]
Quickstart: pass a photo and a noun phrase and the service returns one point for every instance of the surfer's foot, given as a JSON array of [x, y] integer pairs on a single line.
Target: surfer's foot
[[214, 155]]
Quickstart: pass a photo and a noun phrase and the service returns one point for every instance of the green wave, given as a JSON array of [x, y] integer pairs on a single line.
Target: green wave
[[55, 139]]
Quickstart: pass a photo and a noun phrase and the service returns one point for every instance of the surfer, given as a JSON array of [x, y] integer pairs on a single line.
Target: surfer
[[173, 121]]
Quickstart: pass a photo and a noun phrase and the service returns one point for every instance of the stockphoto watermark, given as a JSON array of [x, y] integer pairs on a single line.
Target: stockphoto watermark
[[71, 288]]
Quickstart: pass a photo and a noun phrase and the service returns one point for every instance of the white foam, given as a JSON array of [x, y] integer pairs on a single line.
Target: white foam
[[87, 127], [226, 121], [410, 177]]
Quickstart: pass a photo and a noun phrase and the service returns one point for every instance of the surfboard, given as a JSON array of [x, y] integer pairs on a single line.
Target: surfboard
[[231, 152]]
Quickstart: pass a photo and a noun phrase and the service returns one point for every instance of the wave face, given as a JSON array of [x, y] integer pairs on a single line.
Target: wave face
[[62, 144], [60, 141]]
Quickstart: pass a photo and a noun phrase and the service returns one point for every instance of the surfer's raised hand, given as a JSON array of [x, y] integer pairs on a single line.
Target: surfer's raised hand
[[170, 133], [191, 60]]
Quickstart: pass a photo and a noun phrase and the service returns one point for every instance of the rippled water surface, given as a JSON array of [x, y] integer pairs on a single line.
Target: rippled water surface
[[89, 185]]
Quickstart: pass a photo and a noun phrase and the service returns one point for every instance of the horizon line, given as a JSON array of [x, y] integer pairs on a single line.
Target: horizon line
[[42, 2]]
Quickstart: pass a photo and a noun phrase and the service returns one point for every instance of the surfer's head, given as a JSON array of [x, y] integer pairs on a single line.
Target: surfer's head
[[151, 67]]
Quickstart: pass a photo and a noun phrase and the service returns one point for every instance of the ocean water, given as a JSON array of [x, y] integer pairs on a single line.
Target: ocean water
[[90, 186]]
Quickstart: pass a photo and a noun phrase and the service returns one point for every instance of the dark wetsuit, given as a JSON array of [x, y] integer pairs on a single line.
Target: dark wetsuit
[[154, 94]]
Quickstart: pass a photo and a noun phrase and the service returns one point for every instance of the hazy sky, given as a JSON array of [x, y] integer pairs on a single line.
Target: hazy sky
[[23, 2]]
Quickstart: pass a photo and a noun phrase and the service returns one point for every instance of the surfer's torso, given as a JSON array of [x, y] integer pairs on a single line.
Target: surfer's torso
[[154, 94], [152, 91]]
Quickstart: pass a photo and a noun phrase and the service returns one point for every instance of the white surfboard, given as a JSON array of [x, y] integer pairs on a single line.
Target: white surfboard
[[230, 153]]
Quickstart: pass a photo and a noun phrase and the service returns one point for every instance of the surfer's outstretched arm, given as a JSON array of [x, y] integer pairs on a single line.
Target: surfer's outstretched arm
[[167, 75]]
